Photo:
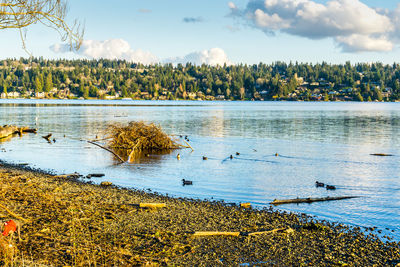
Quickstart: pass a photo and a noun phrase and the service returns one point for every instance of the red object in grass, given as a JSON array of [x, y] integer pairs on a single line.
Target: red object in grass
[[9, 227]]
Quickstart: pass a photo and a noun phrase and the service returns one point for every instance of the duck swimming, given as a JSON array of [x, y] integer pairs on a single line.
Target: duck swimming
[[186, 182]]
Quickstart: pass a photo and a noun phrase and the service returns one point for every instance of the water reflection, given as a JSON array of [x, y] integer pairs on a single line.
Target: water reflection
[[328, 142]]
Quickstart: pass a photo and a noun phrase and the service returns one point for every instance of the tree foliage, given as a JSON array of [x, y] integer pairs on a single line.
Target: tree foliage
[[277, 81]]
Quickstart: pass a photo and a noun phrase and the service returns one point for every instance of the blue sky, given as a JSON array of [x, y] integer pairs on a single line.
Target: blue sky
[[235, 31]]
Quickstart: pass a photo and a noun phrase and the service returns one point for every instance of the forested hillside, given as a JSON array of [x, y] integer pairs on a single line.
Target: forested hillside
[[114, 79]]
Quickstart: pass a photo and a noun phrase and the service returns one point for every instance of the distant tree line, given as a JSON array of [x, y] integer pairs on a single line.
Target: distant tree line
[[103, 78]]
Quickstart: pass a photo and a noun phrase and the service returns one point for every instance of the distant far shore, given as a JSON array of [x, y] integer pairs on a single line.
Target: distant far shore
[[118, 79]]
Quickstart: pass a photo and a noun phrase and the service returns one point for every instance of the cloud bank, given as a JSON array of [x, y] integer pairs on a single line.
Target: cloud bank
[[120, 49], [109, 49], [353, 25], [213, 57]]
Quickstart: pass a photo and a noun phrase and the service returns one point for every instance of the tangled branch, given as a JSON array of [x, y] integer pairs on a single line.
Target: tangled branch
[[19, 14]]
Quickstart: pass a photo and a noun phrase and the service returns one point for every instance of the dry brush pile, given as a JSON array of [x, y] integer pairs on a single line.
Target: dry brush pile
[[136, 138]]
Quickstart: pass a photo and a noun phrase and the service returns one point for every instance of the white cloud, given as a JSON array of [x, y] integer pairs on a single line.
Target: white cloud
[[109, 49], [348, 22], [355, 43], [273, 22], [120, 49], [213, 57]]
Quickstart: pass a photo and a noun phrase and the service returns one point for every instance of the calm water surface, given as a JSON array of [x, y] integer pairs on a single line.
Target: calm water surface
[[328, 142]]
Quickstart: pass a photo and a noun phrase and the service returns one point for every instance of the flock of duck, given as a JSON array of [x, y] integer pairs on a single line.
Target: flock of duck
[[188, 182], [328, 187]]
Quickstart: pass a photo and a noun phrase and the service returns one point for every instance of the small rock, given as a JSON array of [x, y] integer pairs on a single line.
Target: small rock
[[106, 184], [95, 175]]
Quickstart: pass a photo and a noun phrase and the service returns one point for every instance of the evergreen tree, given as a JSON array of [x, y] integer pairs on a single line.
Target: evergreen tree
[[48, 84], [38, 85]]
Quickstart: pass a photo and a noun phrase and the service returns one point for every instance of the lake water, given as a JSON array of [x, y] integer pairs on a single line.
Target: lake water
[[328, 142]]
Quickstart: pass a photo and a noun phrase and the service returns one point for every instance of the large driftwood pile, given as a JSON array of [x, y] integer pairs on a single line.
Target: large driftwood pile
[[8, 130]]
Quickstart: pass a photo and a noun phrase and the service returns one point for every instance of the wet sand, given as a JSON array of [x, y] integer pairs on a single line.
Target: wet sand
[[67, 222]]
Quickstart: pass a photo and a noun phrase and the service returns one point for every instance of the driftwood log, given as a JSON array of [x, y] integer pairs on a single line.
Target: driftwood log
[[382, 155], [308, 200], [216, 233], [8, 130]]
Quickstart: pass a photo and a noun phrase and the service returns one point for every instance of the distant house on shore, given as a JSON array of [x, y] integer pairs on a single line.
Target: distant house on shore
[[40, 94], [13, 94]]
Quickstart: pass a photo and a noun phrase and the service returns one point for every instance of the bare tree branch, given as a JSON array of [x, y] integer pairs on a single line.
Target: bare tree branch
[[20, 14]]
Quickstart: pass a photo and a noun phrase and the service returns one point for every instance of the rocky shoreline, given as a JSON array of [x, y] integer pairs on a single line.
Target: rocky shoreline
[[68, 222]]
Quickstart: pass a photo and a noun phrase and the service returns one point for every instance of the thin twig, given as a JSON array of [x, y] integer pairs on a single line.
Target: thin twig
[[188, 145], [93, 143]]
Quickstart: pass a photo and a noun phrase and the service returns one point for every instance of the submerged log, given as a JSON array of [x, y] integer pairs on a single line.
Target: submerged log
[[308, 200], [8, 130]]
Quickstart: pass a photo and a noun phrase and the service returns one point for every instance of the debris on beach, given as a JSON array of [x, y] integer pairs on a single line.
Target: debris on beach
[[106, 184], [237, 234], [152, 205], [245, 205], [74, 175], [66, 223]]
